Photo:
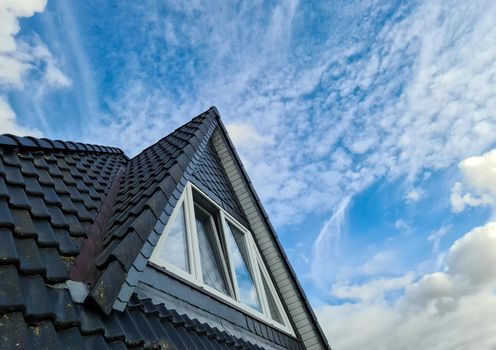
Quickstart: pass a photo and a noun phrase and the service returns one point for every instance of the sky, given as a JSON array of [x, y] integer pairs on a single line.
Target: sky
[[367, 127]]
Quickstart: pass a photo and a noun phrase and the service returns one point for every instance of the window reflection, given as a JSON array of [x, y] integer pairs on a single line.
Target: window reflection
[[274, 310], [175, 248], [209, 255], [239, 253]]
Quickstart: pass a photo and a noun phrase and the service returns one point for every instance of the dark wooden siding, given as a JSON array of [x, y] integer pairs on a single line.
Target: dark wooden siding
[[187, 299]]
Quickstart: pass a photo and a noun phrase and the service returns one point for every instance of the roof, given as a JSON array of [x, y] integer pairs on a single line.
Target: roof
[[76, 228]]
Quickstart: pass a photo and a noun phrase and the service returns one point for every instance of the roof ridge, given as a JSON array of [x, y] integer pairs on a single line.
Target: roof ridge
[[141, 206], [30, 142], [201, 115]]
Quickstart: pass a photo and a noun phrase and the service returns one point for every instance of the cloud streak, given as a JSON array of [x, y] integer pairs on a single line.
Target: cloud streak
[[412, 99]]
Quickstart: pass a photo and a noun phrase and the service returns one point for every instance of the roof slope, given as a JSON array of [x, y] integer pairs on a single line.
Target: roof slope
[[152, 180], [91, 213], [51, 194]]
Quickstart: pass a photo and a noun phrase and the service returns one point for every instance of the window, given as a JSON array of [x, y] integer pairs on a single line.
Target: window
[[240, 265], [175, 250], [207, 247]]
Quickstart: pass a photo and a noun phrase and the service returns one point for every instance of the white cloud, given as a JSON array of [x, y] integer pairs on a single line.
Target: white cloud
[[8, 123], [479, 174], [437, 235], [373, 290], [473, 257], [247, 139], [327, 121], [422, 106], [18, 58], [446, 310], [327, 243], [14, 63], [403, 225], [53, 75], [414, 195], [379, 263]]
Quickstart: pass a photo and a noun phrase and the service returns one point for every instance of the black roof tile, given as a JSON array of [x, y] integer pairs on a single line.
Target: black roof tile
[[90, 321], [49, 195], [35, 297], [17, 196], [55, 270], [5, 215], [60, 186], [133, 337], [33, 186], [39, 161], [127, 250], [14, 332], [76, 226], [27, 167], [29, 256], [144, 329], [3, 189], [10, 158], [24, 225], [107, 287], [45, 336], [53, 168], [112, 328], [38, 207], [46, 236], [63, 307], [66, 243], [102, 259], [59, 144], [45, 178], [95, 342], [119, 345], [6, 139], [144, 224], [13, 175], [10, 290], [71, 339], [8, 252], [57, 218], [26, 142], [73, 146]]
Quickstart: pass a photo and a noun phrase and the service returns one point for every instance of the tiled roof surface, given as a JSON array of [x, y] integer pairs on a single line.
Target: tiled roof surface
[[67, 205], [51, 195], [148, 185], [47, 318]]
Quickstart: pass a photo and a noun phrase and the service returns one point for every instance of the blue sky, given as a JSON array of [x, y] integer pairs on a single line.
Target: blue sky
[[366, 127]]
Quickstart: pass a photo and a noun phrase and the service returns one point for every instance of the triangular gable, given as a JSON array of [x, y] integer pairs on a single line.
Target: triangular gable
[[147, 192], [217, 146], [290, 290]]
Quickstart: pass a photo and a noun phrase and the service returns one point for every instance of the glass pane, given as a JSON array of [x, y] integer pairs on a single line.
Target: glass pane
[[274, 310], [239, 253], [209, 254], [175, 248]]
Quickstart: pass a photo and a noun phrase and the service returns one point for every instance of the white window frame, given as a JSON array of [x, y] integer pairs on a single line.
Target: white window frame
[[195, 276]]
